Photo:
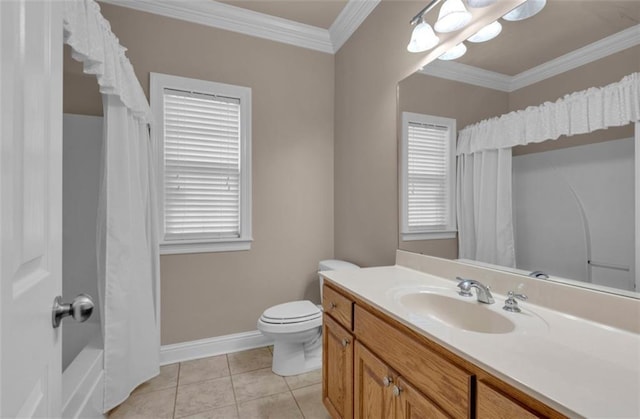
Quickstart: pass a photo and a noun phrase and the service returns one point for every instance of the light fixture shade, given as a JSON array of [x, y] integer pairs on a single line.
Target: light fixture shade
[[452, 17], [480, 3], [525, 10], [487, 33], [454, 53], [422, 38]]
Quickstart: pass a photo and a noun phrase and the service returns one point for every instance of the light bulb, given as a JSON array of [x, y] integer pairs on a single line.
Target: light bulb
[[454, 53], [452, 17], [480, 3], [422, 38], [525, 10], [487, 33]]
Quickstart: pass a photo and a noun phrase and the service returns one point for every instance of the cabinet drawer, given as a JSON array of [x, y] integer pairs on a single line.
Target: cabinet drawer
[[441, 381], [495, 405], [338, 306]]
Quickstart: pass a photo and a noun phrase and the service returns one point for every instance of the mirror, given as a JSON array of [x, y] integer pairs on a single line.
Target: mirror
[[573, 204]]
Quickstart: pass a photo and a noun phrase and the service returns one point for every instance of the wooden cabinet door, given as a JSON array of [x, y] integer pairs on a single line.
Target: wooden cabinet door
[[411, 404], [494, 405], [337, 369], [373, 379]]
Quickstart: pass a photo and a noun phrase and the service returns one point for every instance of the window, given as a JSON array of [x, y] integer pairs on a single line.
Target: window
[[202, 131], [427, 177]]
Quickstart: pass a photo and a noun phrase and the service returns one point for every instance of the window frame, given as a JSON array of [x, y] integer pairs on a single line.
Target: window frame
[[158, 83], [449, 231]]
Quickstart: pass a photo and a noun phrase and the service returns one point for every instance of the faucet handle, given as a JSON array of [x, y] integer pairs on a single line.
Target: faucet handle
[[512, 294], [511, 304]]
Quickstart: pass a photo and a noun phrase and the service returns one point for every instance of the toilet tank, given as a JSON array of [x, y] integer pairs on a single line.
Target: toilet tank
[[333, 265]]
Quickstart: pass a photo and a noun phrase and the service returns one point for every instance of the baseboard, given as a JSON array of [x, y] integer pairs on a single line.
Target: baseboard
[[195, 349]]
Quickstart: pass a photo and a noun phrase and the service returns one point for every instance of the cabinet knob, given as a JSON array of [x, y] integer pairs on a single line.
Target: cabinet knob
[[332, 305], [396, 391], [386, 381], [345, 342]]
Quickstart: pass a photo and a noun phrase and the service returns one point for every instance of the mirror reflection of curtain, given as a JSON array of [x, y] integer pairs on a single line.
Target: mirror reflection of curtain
[[128, 251], [484, 153], [484, 200]]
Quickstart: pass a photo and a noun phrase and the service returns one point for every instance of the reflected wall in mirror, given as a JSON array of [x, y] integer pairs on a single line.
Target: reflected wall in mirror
[[573, 199]]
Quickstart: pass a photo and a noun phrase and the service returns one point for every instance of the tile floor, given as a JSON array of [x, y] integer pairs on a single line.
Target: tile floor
[[239, 385]]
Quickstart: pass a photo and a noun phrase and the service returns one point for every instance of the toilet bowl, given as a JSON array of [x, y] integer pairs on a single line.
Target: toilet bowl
[[296, 330]]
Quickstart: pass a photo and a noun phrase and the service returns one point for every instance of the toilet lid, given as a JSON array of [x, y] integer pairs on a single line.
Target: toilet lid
[[293, 312]]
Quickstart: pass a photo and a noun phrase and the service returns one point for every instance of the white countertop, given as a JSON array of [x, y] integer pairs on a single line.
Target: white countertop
[[576, 366]]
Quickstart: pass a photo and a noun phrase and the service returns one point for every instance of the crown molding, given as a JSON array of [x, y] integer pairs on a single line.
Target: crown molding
[[615, 43], [236, 19], [464, 73], [350, 19], [612, 44]]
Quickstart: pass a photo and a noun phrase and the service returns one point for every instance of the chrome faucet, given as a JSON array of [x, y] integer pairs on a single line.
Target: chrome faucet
[[483, 292]]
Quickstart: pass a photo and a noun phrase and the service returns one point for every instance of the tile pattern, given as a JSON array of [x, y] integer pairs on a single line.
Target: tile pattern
[[232, 386]]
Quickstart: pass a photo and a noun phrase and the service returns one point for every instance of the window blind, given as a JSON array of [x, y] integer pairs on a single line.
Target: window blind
[[427, 164], [201, 166]]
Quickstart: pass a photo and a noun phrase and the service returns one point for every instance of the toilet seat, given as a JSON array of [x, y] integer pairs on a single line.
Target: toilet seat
[[292, 312], [292, 317]]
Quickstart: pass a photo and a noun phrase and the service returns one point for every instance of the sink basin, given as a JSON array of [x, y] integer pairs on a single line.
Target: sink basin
[[462, 314]]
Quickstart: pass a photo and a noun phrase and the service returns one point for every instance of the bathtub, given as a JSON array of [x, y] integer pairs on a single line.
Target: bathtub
[[82, 383]]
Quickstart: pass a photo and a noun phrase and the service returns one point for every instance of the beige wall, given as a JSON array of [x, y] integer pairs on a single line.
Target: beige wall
[[213, 294], [368, 68], [463, 102]]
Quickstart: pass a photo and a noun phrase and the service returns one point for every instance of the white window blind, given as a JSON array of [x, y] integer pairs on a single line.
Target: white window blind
[[202, 166], [427, 177]]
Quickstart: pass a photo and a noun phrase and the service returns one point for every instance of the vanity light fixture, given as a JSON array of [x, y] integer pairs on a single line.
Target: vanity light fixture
[[422, 38], [487, 33], [525, 10], [453, 16], [454, 53]]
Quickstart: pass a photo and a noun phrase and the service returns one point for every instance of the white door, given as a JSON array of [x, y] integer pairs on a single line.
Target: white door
[[30, 206]]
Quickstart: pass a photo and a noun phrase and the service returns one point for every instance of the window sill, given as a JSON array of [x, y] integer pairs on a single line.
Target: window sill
[[177, 248], [431, 235]]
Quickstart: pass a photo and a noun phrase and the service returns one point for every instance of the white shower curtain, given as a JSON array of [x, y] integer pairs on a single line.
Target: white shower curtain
[[485, 221], [128, 251], [128, 248]]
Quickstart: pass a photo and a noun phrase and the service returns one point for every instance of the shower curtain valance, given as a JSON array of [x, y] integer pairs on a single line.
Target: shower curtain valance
[[577, 113], [92, 42]]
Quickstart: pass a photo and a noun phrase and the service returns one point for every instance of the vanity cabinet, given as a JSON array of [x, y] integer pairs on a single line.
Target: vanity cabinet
[[376, 367]]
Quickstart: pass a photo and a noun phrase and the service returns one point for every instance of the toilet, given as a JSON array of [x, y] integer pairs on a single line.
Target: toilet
[[296, 330]]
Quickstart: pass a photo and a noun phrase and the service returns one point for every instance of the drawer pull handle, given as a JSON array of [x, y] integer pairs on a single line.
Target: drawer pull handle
[[396, 391], [345, 342], [386, 381], [332, 305]]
